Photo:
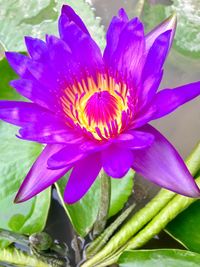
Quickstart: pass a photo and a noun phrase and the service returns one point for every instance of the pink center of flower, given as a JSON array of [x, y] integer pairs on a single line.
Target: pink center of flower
[[99, 108]]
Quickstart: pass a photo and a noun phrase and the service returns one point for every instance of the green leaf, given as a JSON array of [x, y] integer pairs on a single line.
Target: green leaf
[[16, 158], [36, 18], [160, 257], [84, 213], [19, 258], [152, 15], [121, 189], [185, 228], [187, 38]]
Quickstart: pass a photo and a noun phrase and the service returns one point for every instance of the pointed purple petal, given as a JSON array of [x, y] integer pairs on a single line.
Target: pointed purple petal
[[161, 164], [168, 24], [112, 36], [168, 100], [78, 41], [72, 16], [37, 48], [49, 132], [157, 55], [117, 160], [22, 113], [63, 61], [35, 92], [68, 155], [82, 178], [126, 59], [40, 177], [135, 139], [19, 63]]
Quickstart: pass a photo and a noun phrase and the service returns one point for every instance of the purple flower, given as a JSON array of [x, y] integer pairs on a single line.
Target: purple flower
[[92, 111]]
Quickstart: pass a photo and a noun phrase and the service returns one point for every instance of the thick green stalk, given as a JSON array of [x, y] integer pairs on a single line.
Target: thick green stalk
[[101, 240], [143, 216], [104, 204], [159, 222], [167, 214], [18, 258]]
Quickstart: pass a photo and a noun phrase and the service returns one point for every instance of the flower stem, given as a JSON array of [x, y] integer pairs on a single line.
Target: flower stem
[[104, 204], [143, 216], [101, 240], [14, 237], [167, 214]]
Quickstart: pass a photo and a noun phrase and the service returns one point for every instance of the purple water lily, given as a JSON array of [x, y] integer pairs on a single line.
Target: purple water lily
[[92, 111]]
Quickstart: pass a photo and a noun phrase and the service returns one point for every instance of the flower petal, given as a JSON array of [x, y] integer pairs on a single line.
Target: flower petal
[[127, 56], [157, 55], [72, 16], [112, 36], [39, 176], [22, 113], [19, 63], [78, 41], [168, 100], [82, 177], [66, 156], [168, 24], [63, 61], [161, 164], [35, 92], [49, 132], [135, 139], [117, 160], [37, 48]]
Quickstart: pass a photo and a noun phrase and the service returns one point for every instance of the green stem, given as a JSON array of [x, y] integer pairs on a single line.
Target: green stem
[[104, 206], [101, 240], [18, 258], [159, 222], [167, 214], [143, 216], [14, 237]]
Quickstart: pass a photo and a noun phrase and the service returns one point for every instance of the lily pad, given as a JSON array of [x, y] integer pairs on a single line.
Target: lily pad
[[36, 18], [187, 38], [185, 228], [160, 257], [17, 157]]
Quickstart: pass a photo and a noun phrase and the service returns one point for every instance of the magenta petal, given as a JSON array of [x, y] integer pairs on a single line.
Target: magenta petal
[[39, 176], [168, 24], [34, 91], [127, 57], [72, 16], [22, 113], [156, 55], [112, 36], [117, 161], [168, 100], [19, 63], [49, 132], [82, 178], [161, 164], [135, 139], [66, 156], [37, 48], [78, 41]]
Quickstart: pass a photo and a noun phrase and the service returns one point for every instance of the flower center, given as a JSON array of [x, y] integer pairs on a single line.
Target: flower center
[[99, 108]]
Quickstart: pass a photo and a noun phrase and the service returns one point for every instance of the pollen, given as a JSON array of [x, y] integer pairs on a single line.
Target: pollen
[[98, 107]]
